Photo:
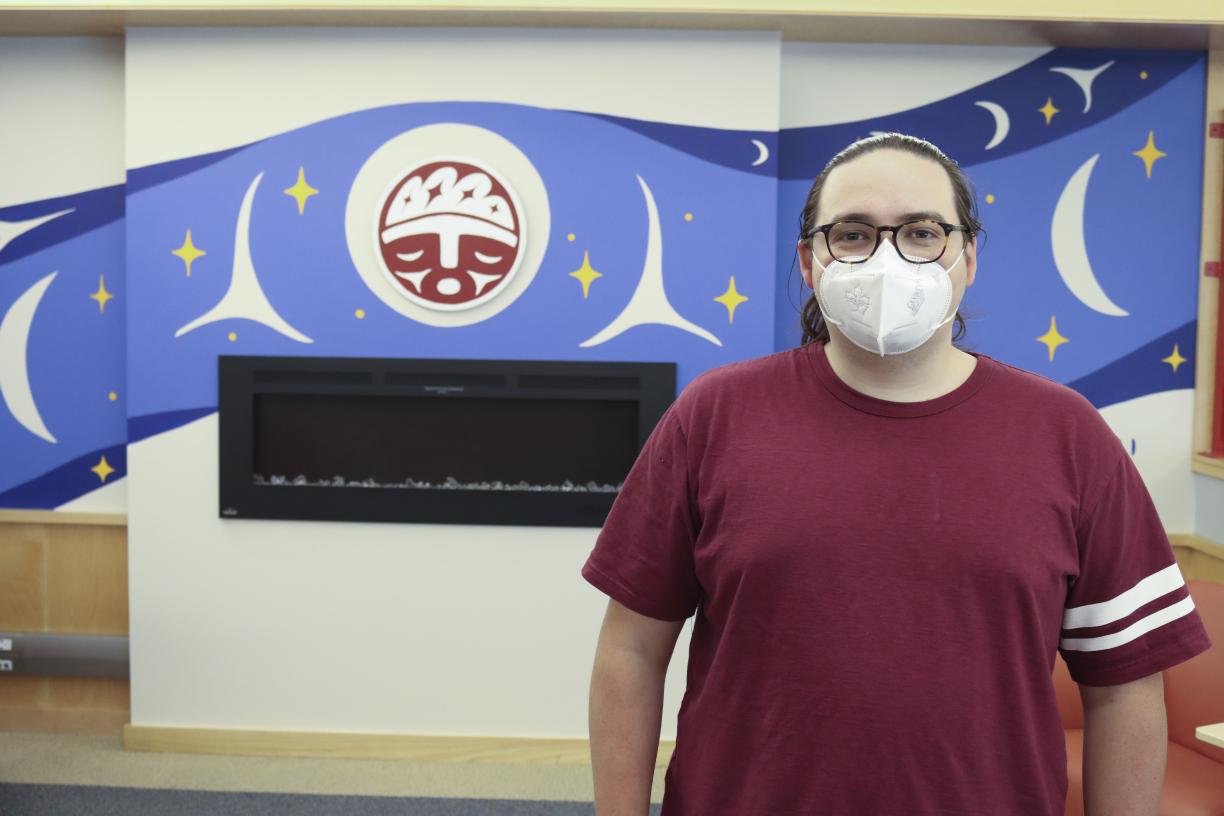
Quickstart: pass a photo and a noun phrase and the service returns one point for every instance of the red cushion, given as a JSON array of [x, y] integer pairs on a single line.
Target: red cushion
[[1194, 690], [1067, 692], [1194, 785]]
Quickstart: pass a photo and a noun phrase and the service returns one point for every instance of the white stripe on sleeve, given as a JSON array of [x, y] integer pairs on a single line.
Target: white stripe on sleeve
[[1136, 629], [1117, 608]]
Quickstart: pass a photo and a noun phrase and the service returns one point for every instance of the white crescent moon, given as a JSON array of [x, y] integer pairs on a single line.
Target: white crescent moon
[[764, 157], [649, 303], [1070, 252], [14, 374], [245, 297], [1002, 123]]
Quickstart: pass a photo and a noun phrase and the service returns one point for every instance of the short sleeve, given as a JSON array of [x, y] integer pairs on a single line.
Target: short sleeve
[[1128, 614], [643, 557]]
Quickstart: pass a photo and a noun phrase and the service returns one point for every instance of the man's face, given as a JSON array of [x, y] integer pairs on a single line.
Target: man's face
[[890, 187], [450, 235]]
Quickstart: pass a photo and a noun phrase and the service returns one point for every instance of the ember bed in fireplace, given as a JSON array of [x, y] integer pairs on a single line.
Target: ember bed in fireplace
[[450, 441]]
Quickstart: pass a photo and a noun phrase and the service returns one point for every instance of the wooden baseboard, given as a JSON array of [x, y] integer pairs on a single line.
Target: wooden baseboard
[[63, 721], [420, 748]]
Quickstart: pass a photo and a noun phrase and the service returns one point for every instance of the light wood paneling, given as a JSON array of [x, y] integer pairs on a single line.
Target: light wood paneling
[[19, 691], [1198, 558], [61, 721], [1197, 566], [63, 579], [93, 693], [23, 577], [421, 748], [87, 580]]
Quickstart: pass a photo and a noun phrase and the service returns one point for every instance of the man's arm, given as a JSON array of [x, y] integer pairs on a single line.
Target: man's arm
[[626, 708], [1125, 746]]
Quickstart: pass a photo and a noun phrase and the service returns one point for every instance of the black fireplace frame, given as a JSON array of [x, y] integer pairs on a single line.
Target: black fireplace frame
[[241, 378]]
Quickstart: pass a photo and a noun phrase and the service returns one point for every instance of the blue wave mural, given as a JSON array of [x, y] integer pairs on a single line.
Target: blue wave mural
[[594, 237]]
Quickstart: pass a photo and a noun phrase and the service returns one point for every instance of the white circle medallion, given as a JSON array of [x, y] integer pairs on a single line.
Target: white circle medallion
[[447, 224]]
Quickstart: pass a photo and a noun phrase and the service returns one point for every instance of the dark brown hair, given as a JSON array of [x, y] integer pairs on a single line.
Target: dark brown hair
[[814, 327]]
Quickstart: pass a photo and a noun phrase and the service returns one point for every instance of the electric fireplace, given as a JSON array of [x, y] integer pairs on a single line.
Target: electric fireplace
[[432, 441]]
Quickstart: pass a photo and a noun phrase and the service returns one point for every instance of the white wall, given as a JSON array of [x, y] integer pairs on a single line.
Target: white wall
[[62, 103], [411, 628]]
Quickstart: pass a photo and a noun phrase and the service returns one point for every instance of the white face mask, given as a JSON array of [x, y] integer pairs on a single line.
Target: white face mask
[[886, 305]]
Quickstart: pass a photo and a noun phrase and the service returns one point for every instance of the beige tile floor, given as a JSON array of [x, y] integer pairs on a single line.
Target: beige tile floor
[[62, 759]]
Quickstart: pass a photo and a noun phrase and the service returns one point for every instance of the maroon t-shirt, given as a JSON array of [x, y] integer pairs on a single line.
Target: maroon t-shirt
[[880, 587]]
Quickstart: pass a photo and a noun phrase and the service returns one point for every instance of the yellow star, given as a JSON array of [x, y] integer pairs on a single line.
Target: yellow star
[[731, 299], [1149, 153], [586, 274], [1052, 338], [301, 190], [1048, 109], [188, 252], [1175, 359], [101, 295], [103, 469]]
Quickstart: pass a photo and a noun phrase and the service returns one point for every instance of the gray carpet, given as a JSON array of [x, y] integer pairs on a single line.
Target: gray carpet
[[90, 800]]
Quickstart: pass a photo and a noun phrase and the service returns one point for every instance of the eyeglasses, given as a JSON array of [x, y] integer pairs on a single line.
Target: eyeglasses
[[916, 241]]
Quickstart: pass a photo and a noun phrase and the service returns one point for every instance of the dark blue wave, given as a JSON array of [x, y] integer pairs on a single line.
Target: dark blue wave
[[805, 151], [142, 427], [726, 148], [1141, 372], [94, 208], [90, 210], [66, 482]]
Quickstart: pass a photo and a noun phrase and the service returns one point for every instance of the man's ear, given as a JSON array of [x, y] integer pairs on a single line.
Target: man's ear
[[805, 262], [970, 262]]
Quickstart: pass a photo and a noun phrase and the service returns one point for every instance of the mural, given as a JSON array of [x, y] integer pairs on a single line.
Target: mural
[[493, 230], [1088, 171]]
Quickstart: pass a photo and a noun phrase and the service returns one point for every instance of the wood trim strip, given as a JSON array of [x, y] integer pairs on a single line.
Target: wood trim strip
[[1201, 462], [63, 517], [351, 745]]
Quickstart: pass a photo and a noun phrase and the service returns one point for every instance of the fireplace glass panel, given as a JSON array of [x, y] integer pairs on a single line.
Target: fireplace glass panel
[[445, 442]]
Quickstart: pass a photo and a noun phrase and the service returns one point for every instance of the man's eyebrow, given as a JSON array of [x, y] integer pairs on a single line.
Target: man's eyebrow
[[925, 215]]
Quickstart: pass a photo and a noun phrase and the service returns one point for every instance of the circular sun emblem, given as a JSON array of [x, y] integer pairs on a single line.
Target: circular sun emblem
[[450, 234], [447, 223]]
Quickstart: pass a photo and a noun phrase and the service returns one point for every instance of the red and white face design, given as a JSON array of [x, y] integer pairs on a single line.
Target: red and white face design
[[450, 234]]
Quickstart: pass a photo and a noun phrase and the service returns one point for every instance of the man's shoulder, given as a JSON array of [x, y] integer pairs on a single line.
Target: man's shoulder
[[1022, 386], [735, 377]]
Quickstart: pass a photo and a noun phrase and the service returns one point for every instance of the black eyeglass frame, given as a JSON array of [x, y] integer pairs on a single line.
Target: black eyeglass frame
[[882, 228]]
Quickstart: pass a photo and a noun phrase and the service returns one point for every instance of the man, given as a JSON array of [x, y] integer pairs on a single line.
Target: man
[[885, 539]]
